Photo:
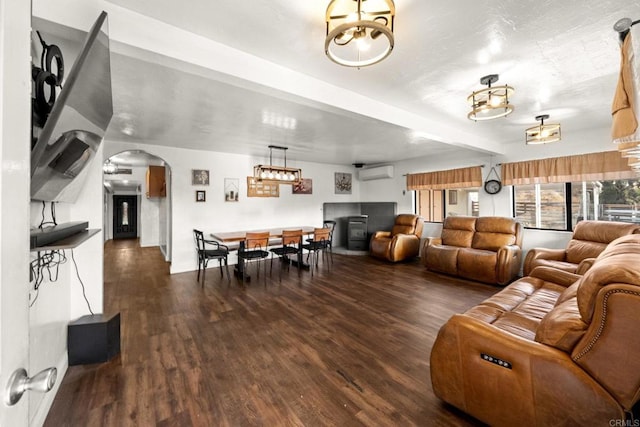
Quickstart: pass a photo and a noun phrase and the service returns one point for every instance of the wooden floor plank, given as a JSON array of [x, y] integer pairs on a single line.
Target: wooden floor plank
[[349, 346]]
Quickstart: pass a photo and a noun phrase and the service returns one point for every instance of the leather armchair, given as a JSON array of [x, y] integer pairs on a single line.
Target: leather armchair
[[552, 348], [402, 242], [589, 239]]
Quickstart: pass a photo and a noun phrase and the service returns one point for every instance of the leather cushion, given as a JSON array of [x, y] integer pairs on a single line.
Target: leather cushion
[[577, 250], [603, 232], [495, 224], [477, 264], [492, 241], [407, 220], [562, 327], [442, 258], [402, 229], [460, 238], [619, 267], [560, 265]]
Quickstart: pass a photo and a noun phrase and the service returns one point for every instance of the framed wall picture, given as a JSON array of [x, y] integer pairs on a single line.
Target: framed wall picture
[[305, 186], [343, 183], [199, 177], [256, 188], [453, 197], [201, 196], [231, 189]]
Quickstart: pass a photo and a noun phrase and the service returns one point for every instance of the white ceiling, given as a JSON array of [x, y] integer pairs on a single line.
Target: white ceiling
[[269, 82]]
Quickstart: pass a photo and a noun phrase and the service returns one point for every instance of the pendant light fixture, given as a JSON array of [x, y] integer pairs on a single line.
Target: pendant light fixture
[[359, 32], [491, 102], [278, 174], [543, 133]]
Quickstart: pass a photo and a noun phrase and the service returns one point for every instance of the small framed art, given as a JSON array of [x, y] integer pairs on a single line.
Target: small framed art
[[343, 183], [305, 186], [201, 196], [199, 177]]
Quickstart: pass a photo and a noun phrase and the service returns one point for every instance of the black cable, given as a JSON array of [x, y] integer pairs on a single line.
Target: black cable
[[81, 283], [53, 215], [43, 266]]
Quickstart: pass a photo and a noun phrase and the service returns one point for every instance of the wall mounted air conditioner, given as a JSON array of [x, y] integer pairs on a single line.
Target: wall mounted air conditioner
[[380, 172]]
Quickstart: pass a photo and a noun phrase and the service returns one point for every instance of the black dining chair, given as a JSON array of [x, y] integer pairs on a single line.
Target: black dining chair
[[291, 246], [331, 225], [254, 249], [317, 245], [208, 250]]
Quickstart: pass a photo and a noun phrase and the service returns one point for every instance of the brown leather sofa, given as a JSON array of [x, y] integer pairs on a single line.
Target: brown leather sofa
[[552, 348], [486, 249], [588, 240], [402, 242]]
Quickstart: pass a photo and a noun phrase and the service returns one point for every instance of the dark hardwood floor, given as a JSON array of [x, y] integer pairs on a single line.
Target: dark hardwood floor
[[348, 347]]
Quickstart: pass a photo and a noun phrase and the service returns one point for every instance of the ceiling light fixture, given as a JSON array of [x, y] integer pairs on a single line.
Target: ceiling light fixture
[[359, 32], [109, 168], [543, 133], [279, 174], [491, 102]]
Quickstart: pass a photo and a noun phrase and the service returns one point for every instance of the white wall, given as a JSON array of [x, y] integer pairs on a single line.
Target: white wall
[[248, 213]]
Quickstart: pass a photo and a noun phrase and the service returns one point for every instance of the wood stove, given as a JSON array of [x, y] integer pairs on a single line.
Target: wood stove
[[357, 233]]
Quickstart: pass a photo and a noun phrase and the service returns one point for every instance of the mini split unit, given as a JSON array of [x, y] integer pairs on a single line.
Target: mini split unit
[[380, 172]]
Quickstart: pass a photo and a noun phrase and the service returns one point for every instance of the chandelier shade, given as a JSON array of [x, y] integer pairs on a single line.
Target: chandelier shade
[[543, 133], [277, 174], [491, 102], [359, 32]]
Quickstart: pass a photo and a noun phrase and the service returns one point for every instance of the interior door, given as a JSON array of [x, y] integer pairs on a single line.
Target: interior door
[[15, 129], [125, 217]]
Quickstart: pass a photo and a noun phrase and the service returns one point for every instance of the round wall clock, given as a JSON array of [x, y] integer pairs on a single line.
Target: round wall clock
[[492, 186]]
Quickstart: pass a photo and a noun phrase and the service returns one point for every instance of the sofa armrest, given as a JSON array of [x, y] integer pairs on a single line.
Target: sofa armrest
[[404, 246], [553, 275], [428, 241], [378, 234], [461, 376], [508, 263], [541, 253], [584, 265]]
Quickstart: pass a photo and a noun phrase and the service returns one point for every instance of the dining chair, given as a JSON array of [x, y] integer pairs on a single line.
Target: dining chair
[[254, 249], [207, 250], [317, 244], [331, 225], [291, 245]]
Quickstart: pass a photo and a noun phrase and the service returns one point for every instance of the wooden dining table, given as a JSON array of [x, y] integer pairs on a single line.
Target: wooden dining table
[[240, 236]]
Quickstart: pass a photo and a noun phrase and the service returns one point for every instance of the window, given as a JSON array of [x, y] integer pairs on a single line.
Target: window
[[559, 206], [434, 205], [446, 192], [429, 204]]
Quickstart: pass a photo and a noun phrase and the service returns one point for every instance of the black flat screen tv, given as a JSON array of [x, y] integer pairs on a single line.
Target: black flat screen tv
[[69, 139]]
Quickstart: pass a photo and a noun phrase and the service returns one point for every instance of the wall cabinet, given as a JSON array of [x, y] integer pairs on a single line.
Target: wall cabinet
[[156, 184]]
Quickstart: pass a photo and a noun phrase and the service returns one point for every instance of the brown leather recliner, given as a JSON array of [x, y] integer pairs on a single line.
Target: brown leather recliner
[[589, 239], [487, 249], [402, 242], [552, 348]]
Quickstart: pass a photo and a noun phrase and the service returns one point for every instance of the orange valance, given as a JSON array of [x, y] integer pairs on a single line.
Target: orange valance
[[440, 180], [606, 165]]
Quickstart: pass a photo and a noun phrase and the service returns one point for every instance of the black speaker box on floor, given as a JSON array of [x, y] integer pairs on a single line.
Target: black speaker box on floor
[[93, 338]]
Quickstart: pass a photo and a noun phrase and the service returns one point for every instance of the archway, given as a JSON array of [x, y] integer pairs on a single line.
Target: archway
[[127, 174]]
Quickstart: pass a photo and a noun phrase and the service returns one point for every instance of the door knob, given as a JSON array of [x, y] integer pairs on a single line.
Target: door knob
[[19, 382]]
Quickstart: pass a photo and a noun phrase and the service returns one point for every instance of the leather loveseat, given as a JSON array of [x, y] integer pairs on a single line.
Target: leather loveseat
[[552, 348], [402, 242], [589, 239], [486, 249]]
